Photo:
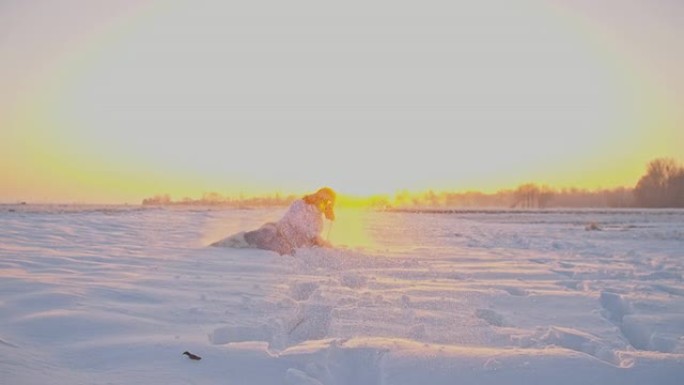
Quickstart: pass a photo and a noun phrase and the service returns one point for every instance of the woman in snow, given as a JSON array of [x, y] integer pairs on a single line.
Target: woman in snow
[[301, 226]]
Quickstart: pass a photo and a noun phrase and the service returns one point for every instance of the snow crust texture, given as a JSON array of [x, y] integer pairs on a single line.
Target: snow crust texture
[[116, 294]]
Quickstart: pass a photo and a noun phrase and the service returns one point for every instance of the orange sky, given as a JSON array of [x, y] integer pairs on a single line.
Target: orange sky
[[117, 102]]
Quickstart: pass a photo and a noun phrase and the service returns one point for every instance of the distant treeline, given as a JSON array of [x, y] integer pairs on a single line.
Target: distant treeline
[[525, 196], [661, 186], [216, 199]]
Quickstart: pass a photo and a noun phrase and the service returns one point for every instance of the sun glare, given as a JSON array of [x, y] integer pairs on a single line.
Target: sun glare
[[350, 229]]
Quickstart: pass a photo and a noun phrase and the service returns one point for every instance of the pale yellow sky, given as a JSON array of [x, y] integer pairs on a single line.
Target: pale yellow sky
[[117, 101]]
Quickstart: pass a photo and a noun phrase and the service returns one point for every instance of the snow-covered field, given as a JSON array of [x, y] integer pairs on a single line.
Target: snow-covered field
[[114, 295]]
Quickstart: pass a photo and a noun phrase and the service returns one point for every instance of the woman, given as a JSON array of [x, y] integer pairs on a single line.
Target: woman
[[301, 226]]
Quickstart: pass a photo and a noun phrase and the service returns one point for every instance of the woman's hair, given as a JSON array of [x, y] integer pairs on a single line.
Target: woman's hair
[[322, 193]]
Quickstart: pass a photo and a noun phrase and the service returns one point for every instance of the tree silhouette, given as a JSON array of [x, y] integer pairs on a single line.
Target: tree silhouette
[[662, 186]]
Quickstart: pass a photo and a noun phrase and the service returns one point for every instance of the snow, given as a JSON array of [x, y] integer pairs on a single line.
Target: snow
[[116, 294]]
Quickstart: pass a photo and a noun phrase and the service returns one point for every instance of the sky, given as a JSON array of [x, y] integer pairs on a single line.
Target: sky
[[115, 101]]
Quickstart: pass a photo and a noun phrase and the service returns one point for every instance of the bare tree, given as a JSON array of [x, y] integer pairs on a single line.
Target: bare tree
[[662, 185]]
